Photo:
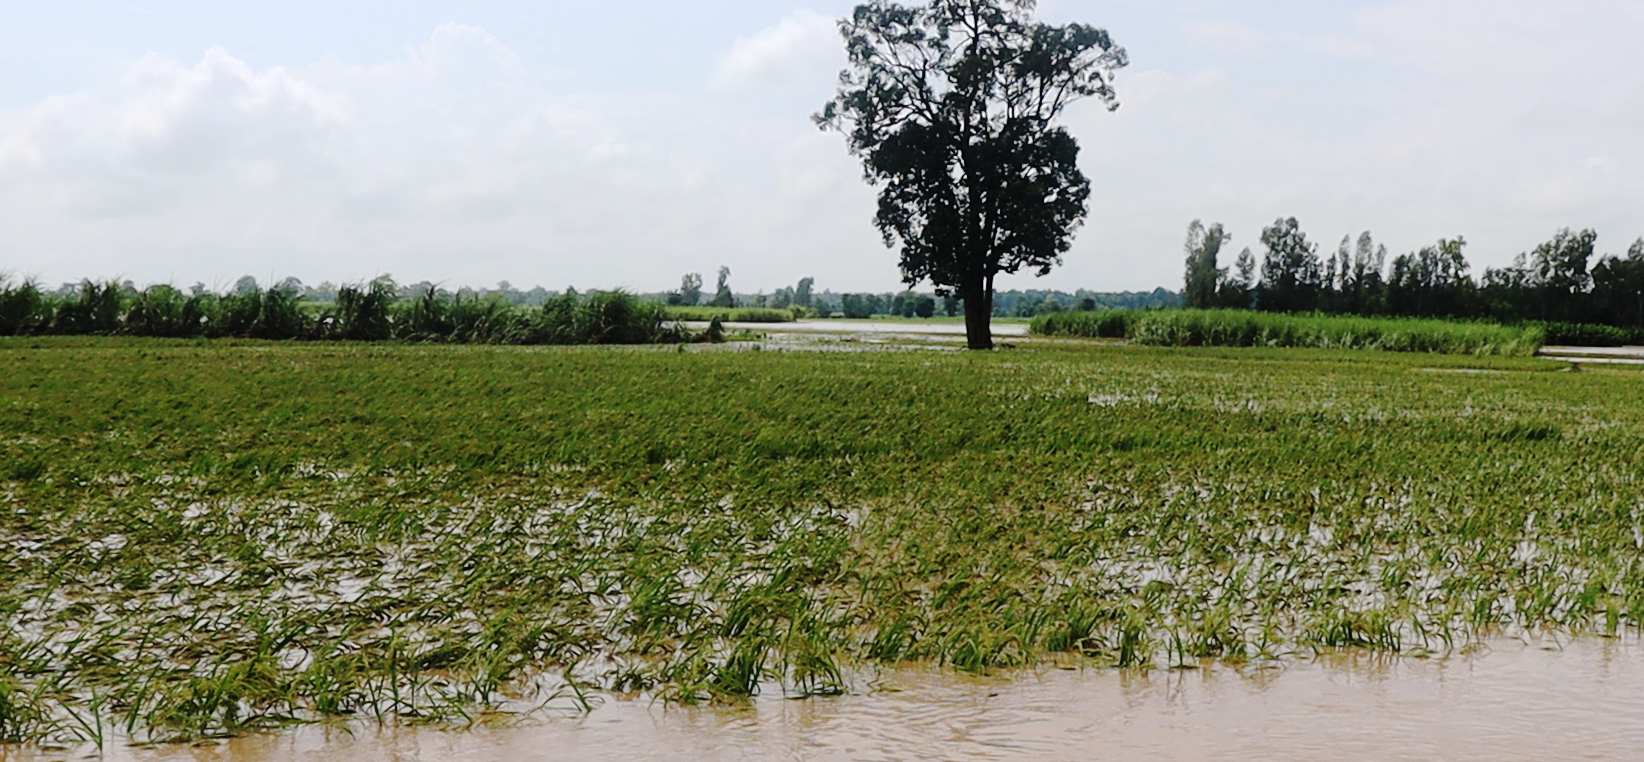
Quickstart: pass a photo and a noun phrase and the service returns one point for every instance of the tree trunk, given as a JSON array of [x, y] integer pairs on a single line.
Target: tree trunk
[[978, 316]]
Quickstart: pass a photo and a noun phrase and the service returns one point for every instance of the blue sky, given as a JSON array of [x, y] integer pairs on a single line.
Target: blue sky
[[624, 143]]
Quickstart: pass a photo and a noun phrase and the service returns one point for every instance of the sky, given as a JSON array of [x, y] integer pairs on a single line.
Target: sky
[[623, 144]]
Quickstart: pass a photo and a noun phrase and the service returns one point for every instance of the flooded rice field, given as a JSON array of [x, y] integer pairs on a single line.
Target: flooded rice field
[[1582, 699]]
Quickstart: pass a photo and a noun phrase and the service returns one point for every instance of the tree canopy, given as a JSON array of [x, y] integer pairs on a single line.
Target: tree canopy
[[1203, 246], [951, 107]]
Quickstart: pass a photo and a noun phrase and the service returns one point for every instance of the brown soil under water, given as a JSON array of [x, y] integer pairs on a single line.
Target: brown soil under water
[[1582, 699]]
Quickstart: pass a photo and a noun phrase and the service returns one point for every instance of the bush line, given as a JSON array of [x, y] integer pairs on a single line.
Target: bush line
[[736, 314], [360, 313], [1239, 328]]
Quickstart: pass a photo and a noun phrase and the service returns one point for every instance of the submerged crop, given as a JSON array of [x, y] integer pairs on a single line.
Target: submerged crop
[[197, 539]]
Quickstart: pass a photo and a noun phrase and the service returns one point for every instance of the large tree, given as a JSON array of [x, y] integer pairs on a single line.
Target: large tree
[[1292, 275], [951, 107], [1202, 278], [1559, 267]]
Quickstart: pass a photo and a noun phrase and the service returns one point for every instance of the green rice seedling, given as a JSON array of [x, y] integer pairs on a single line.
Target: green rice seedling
[[1371, 629], [23, 468], [1135, 647], [237, 534], [739, 675], [23, 714]]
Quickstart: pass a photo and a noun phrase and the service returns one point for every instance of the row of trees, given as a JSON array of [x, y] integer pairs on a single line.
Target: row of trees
[[690, 293], [1557, 281], [1013, 303]]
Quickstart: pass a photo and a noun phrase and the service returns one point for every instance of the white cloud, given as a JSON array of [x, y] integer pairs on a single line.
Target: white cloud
[[456, 161], [797, 49], [450, 163], [1230, 37]]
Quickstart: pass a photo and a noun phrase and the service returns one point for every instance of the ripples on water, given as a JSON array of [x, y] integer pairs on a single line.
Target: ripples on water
[[1512, 701]]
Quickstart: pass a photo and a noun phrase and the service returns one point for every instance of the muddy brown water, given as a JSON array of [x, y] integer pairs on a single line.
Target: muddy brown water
[[1512, 701]]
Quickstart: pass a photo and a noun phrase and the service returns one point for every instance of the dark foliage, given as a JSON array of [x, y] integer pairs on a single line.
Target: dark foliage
[[951, 106]]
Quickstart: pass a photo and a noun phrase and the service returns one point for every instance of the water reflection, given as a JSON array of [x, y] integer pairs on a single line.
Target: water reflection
[[1581, 700]]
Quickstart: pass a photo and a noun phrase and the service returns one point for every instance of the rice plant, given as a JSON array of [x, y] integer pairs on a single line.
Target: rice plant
[[200, 538]]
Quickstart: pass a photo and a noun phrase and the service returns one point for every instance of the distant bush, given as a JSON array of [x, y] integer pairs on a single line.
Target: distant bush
[[1238, 328]]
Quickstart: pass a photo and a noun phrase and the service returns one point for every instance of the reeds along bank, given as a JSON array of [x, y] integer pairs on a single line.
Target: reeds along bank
[[1243, 328], [360, 313]]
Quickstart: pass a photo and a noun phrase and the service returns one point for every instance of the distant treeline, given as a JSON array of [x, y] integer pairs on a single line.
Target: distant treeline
[[1559, 281], [803, 294], [367, 312]]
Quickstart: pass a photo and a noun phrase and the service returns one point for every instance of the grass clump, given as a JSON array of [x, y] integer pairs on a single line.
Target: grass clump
[[228, 536], [1099, 324], [736, 314], [1590, 335], [1240, 328]]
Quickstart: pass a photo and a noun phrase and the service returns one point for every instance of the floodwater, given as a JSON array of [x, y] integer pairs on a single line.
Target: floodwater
[[1596, 355], [1511, 701], [870, 327]]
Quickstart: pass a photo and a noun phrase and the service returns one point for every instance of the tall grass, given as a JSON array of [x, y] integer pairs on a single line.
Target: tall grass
[[1239, 328], [369, 312], [1591, 335], [737, 314], [23, 308], [1098, 324], [96, 311]]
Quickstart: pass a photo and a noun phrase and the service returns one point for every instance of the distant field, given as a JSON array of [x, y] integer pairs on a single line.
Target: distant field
[[207, 537], [1243, 328]]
